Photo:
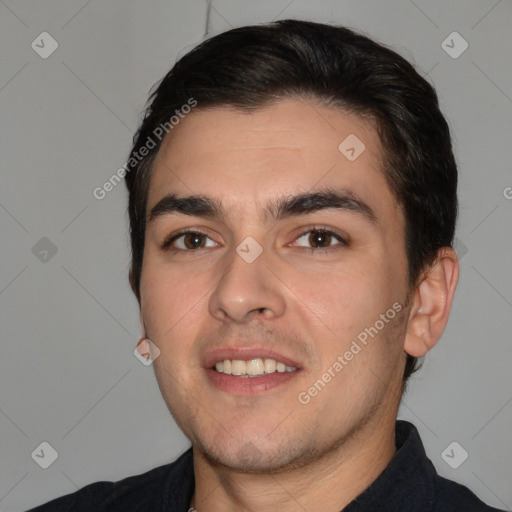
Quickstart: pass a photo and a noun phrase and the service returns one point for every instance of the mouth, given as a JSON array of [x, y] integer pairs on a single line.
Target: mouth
[[252, 368], [249, 371]]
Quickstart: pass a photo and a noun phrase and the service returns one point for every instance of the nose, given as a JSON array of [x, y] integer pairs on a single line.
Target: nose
[[247, 289]]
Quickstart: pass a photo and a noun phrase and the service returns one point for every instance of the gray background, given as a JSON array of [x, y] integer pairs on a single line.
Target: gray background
[[69, 321]]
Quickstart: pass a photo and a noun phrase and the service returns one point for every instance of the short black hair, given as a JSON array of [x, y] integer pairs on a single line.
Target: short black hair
[[250, 67]]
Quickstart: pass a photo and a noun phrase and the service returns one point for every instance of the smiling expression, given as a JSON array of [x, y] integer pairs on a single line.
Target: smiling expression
[[264, 242]]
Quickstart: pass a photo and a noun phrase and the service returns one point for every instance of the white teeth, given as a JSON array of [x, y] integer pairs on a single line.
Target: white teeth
[[270, 365], [238, 367], [252, 368], [255, 367]]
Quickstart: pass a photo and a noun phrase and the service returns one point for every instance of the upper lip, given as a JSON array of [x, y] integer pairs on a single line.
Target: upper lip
[[245, 354]]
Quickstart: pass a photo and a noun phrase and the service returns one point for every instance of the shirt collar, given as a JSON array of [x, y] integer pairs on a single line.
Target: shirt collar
[[408, 478]]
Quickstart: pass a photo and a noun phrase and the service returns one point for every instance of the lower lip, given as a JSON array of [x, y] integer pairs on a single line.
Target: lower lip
[[249, 385]]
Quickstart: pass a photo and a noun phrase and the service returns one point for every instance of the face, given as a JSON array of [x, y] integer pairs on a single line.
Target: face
[[266, 282]]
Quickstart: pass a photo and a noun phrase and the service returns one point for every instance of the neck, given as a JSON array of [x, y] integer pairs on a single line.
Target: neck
[[328, 483]]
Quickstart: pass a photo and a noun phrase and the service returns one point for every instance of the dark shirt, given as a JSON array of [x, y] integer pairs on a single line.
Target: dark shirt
[[409, 483]]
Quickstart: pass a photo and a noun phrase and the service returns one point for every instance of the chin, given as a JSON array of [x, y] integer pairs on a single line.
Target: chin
[[257, 457]]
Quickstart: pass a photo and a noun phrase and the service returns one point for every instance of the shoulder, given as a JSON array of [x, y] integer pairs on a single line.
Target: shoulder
[[411, 481], [454, 497], [150, 490]]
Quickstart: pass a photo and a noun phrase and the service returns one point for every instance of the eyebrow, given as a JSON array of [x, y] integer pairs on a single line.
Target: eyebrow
[[277, 209]]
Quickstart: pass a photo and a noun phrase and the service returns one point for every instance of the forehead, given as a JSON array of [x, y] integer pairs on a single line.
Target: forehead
[[293, 146]]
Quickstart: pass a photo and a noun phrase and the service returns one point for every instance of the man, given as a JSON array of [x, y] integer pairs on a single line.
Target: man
[[292, 201]]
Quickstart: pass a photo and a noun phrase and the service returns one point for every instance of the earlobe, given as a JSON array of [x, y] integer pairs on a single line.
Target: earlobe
[[431, 304]]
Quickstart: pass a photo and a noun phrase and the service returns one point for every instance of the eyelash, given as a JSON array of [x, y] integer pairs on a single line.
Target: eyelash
[[167, 244]]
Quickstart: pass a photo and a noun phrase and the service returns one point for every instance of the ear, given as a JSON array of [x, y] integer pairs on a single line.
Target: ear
[[142, 325], [431, 303]]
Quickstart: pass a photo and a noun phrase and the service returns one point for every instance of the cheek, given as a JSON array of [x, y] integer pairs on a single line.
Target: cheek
[[345, 299], [170, 303], [344, 305]]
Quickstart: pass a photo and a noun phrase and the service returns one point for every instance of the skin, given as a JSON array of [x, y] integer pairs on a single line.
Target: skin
[[269, 451]]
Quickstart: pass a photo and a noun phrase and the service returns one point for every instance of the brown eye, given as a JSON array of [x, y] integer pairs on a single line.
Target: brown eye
[[193, 240], [321, 239], [188, 241]]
